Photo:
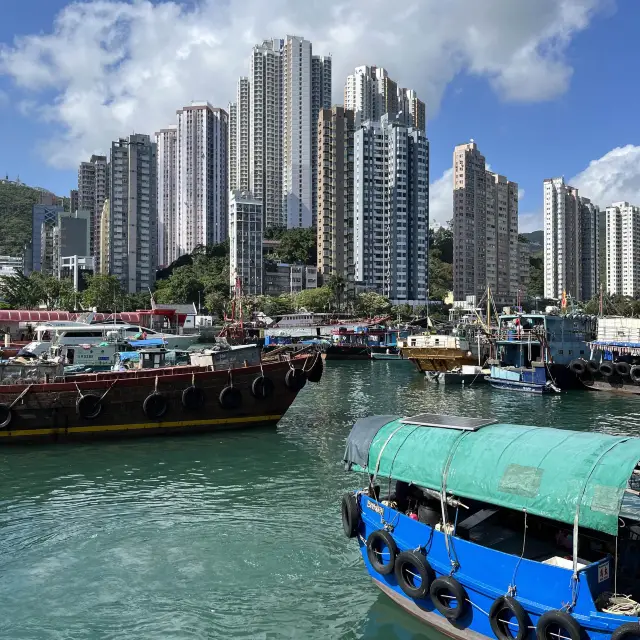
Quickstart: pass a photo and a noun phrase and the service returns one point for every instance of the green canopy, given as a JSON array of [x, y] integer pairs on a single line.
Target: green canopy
[[545, 471]]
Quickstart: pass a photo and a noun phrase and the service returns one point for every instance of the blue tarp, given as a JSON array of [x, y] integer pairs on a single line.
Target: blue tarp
[[150, 342]]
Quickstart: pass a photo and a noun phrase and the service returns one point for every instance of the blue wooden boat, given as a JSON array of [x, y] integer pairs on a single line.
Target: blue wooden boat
[[486, 530], [529, 380]]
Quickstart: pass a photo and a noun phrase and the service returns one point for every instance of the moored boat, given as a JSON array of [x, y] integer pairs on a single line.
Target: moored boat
[[441, 352], [39, 403], [531, 379], [488, 530]]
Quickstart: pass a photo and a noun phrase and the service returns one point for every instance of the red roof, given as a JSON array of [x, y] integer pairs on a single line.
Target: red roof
[[20, 315]]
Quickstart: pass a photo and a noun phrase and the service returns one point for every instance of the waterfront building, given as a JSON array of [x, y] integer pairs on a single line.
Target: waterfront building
[[391, 209], [203, 184], [93, 190], [245, 242], [623, 249], [282, 278], [133, 212], [571, 242], [335, 144], [167, 142], [485, 229]]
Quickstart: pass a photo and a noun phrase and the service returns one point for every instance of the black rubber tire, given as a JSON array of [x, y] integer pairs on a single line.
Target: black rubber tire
[[627, 631], [315, 373], [501, 629], [606, 369], [350, 515], [155, 405], [230, 398], [578, 366], [450, 587], [6, 416], [409, 562], [193, 398], [295, 379], [89, 406], [623, 368], [592, 366], [262, 387], [555, 618], [635, 373], [375, 540]]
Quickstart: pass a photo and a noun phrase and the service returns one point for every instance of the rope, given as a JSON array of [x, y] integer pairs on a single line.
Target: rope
[[102, 397], [511, 590], [22, 395], [623, 605]]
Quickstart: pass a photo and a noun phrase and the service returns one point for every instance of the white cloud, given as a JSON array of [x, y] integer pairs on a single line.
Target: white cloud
[[441, 200], [612, 178], [520, 193], [528, 222], [109, 67]]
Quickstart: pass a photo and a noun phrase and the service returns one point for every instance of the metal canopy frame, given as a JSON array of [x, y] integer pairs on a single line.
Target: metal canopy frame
[[460, 423]]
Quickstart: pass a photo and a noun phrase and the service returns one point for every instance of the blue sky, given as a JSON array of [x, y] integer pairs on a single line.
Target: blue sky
[[544, 92]]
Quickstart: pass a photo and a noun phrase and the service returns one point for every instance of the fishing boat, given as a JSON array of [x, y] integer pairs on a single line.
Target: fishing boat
[[531, 379], [360, 342], [39, 403], [487, 530], [440, 352], [388, 356]]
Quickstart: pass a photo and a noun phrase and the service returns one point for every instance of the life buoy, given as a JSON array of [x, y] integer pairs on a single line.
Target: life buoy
[[501, 615], [350, 515], [547, 627], [193, 398], [623, 368], [635, 373], [379, 544], [262, 387], [295, 379], [626, 631], [448, 597], [230, 398], [155, 405], [606, 369], [6, 415], [315, 373], [89, 406], [414, 574], [578, 366], [592, 366]]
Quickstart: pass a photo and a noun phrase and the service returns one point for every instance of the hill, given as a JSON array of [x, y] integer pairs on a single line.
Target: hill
[[535, 238]]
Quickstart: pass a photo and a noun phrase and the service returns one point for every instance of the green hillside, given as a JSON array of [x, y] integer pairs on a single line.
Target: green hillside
[[16, 202]]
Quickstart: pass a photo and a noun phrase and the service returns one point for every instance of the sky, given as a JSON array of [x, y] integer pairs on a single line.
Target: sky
[[546, 88]]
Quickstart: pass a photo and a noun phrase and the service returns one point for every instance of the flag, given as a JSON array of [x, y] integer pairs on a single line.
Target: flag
[[564, 299]]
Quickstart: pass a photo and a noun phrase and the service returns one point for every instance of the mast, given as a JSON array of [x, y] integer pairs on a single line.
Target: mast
[[600, 314]]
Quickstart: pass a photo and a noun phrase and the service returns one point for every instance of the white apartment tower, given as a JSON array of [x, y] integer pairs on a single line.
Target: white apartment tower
[[239, 125], [202, 183], [391, 209], [232, 145], [623, 249], [133, 213], [571, 242], [485, 229], [166, 140], [245, 242], [93, 190]]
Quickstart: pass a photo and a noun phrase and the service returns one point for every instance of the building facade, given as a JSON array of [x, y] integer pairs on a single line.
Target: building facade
[[623, 249], [320, 99], [485, 229], [133, 212], [42, 216], [391, 209], [524, 275], [105, 240], [73, 200], [93, 190], [245, 242], [167, 143], [202, 190], [335, 144], [413, 109], [282, 278], [571, 242], [239, 137]]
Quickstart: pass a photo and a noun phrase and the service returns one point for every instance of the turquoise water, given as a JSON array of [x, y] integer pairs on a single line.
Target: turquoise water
[[230, 535]]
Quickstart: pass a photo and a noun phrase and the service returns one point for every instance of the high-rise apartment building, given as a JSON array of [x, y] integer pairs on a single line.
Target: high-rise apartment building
[[485, 229], [239, 127], [524, 275], [370, 93], [320, 99], [623, 249], [133, 212], [265, 130], [232, 145], [571, 239], [73, 200], [391, 209], [105, 240], [167, 143], [93, 190], [335, 145], [203, 184], [245, 242]]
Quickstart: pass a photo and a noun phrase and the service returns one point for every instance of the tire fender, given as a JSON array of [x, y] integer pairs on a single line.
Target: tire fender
[[555, 618], [155, 405], [262, 387], [410, 564], [89, 406], [230, 398], [450, 587], [626, 631], [193, 398], [350, 515], [375, 542], [295, 379], [501, 629]]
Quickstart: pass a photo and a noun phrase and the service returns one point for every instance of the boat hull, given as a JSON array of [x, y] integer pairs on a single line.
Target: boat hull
[[615, 385], [336, 352], [388, 356], [522, 387], [428, 360], [48, 412]]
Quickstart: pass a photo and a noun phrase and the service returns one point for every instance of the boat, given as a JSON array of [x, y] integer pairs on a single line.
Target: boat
[[613, 363], [362, 341], [465, 375], [534, 351], [38, 402], [442, 352], [488, 530], [388, 356]]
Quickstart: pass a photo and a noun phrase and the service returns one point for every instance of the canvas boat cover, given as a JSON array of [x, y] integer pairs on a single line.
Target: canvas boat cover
[[546, 471]]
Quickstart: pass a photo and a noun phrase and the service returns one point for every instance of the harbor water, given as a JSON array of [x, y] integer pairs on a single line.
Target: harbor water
[[228, 535]]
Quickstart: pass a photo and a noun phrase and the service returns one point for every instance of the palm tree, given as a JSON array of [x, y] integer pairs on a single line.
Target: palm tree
[[337, 284]]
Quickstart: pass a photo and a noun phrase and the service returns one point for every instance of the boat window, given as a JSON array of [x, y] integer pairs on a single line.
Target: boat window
[[81, 334]]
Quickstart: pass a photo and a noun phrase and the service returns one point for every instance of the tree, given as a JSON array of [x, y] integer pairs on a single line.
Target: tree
[[373, 304], [297, 245], [316, 300], [182, 287], [337, 284], [275, 305], [104, 293], [215, 303], [536, 275]]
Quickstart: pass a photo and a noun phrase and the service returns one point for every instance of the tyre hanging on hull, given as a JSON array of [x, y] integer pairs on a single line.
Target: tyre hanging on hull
[[89, 406], [193, 398], [443, 592], [635, 373], [623, 369], [380, 544], [155, 406], [627, 631], [350, 515], [315, 372], [295, 379], [414, 574], [578, 366], [262, 387], [556, 623], [502, 612], [230, 398], [606, 369]]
